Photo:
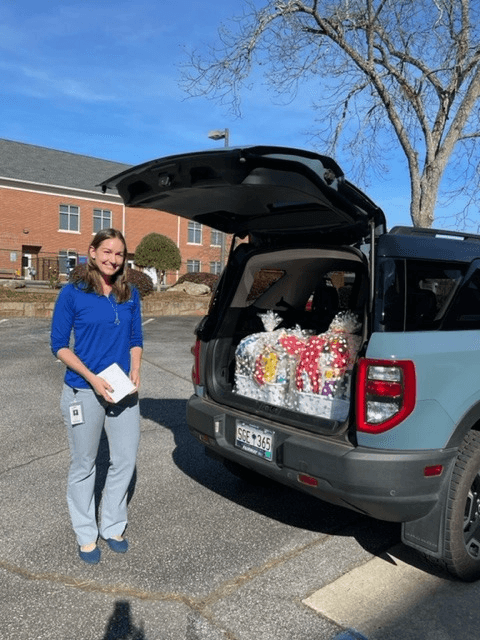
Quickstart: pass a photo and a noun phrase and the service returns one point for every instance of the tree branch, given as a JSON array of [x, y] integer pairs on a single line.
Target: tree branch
[[416, 58]]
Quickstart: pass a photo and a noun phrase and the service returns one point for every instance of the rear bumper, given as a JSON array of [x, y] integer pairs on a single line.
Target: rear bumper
[[385, 484]]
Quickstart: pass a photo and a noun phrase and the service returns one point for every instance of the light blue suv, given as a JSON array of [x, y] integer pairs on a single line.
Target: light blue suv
[[337, 357]]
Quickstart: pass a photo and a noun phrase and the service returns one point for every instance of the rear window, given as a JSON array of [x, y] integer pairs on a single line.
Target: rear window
[[415, 295]]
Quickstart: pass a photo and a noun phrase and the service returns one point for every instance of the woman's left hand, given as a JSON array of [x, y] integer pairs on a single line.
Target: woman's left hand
[[136, 359], [135, 378]]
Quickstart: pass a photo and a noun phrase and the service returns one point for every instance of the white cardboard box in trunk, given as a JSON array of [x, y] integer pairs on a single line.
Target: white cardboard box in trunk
[[313, 404]]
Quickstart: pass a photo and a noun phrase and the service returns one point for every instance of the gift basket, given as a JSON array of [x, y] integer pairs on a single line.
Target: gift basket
[[297, 369]]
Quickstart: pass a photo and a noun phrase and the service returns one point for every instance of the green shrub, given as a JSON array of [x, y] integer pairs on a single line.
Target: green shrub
[[158, 251], [138, 279], [200, 277]]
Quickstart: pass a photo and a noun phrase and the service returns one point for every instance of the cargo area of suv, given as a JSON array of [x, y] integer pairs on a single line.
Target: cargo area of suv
[[325, 361], [288, 307]]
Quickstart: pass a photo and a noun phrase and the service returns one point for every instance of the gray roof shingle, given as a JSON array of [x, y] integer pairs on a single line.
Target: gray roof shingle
[[45, 166]]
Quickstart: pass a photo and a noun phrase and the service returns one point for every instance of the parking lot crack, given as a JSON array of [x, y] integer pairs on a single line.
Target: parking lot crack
[[201, 606], [116, 590], [197, 604], [230, 586], [32, 460]]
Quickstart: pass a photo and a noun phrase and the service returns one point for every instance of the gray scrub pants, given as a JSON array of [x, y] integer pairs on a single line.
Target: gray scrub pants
[[122, 426]]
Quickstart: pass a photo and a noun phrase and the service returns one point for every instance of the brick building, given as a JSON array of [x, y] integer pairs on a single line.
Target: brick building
[[51, 206]]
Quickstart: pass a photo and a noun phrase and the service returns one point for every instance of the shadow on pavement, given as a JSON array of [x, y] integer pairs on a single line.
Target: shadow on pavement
[[268, 498], [120, 626]]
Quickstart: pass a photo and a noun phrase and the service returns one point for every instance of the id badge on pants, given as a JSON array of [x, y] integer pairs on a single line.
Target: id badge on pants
[[76, 413]]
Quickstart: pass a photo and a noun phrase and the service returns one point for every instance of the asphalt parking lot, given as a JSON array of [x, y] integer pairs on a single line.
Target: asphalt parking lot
[[211, 556]]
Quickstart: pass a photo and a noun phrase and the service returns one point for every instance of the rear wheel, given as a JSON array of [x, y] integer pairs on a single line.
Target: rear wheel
[[462, 525]]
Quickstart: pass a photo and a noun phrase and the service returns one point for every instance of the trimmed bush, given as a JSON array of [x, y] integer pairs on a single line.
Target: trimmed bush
[[158, 251], [200, 277]]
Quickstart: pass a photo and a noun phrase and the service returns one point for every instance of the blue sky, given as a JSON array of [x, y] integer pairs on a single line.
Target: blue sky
[[100, 78]]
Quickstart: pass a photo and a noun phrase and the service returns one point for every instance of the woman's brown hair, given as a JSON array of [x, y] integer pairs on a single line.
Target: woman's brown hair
[[91, 276]]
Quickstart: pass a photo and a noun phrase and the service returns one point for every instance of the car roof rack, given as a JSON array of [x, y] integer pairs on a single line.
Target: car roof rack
[[436, 233]]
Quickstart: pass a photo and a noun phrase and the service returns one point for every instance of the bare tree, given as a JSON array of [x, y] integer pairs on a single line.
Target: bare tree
[[389, 72]]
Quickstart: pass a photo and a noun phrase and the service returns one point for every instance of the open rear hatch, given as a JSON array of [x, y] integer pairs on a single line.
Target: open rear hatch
[[253, 190], [289, 314]]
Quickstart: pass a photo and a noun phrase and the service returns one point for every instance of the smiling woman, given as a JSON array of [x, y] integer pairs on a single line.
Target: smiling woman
[[104, 313]]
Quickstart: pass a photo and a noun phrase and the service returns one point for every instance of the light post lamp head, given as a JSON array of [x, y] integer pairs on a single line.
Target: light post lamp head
[[220, 134]]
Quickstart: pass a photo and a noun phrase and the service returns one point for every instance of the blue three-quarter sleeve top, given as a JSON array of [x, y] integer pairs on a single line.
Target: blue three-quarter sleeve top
[[98, 340]]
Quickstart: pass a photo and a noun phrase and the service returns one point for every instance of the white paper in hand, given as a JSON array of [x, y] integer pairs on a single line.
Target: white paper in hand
[[118, 380]]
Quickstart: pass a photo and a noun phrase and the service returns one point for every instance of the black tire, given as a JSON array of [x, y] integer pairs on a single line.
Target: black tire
[[461, 555]]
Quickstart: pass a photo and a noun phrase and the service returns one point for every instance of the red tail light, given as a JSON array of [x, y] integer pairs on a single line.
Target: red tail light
[[386, 393], [196, 362]]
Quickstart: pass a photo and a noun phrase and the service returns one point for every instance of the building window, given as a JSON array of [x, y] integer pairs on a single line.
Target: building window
[[102, 219], [216, 238], [194, 233], [69, 217], [193, 266], [67, 261], [216, 267]]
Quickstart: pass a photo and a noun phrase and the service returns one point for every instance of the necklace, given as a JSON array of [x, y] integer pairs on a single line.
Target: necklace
[[114, 307]]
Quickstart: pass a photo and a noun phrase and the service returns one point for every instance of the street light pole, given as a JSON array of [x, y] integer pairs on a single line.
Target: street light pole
[[221, 134]]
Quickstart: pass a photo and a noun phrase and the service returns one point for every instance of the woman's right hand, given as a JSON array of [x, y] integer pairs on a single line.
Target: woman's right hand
[[98, 384], [102, 388]]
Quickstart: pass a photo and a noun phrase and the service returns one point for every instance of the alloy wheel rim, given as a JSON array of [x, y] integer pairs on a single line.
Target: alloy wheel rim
[[471, 520]]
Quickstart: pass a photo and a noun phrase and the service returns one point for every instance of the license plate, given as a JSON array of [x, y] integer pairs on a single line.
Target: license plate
[[254, 440]]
